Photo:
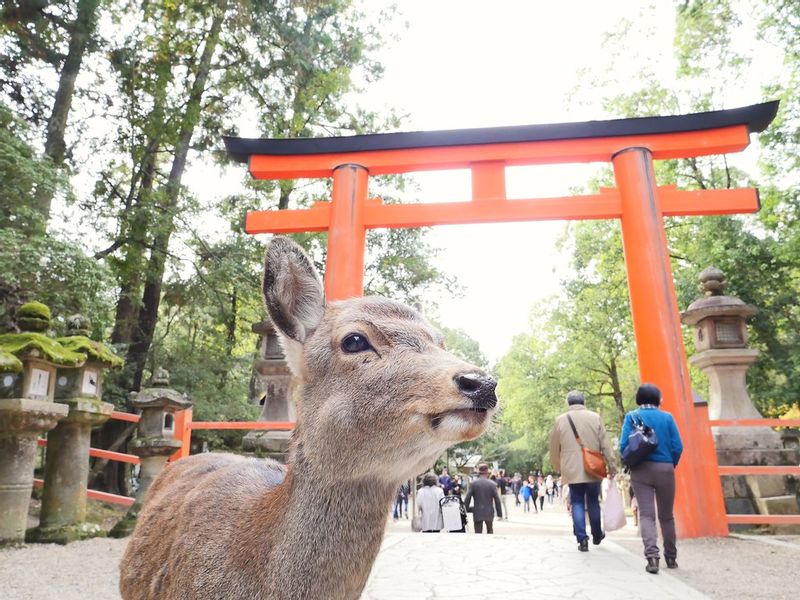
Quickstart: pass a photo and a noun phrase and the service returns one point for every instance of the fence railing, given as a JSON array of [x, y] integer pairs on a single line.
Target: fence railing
[[745, 519], [183, 426]]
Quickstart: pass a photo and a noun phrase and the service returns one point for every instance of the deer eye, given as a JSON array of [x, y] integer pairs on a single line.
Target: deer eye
[[355, 342]]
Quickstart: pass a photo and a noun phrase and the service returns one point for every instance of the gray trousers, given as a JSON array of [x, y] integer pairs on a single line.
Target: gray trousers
[[654, 482]]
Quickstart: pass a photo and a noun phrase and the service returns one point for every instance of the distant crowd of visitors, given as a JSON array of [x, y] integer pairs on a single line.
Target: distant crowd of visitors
[[650, 446]]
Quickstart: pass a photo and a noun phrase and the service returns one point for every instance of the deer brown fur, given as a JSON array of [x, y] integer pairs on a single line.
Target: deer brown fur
[[375, 409]]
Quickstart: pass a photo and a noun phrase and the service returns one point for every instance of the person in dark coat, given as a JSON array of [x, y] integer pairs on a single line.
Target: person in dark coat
[[487, 499]]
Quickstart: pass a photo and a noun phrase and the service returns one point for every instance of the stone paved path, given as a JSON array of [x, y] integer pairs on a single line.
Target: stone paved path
[[531, 555], [544, 563]]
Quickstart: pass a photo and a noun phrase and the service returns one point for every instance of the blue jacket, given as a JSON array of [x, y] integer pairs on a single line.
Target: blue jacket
[[669, 447]]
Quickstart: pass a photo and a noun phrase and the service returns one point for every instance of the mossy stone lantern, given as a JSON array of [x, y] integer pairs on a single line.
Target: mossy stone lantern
[[154, 442], [86, 381], [63, 513], [28, 363]]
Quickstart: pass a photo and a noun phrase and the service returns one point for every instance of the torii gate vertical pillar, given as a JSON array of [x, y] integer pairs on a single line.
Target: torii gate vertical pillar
[[344, 272], [699, 506]]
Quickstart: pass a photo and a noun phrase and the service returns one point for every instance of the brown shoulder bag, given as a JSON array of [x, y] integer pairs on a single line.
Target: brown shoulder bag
[[594, 463]]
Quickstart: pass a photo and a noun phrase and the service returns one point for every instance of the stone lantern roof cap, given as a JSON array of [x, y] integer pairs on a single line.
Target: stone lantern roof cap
[[715, 303], [94, 351], [264, 327], [160, 396], [165, 398], [30, 344]]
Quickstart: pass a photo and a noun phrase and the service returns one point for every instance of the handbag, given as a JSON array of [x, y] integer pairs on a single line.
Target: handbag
[[594, 463], [613, 509], [641, 442]]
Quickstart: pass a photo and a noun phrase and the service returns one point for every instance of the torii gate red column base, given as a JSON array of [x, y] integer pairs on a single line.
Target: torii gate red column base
[[699, 505]]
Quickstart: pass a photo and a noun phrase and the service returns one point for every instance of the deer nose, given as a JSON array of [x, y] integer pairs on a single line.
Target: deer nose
[[478, 388]]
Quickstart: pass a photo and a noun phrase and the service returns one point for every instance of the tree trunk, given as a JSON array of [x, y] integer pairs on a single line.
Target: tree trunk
[[154, 277], [81, 31], [616, 390]]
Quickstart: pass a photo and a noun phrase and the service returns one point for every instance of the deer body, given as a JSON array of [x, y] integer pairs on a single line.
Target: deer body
[[381, 400]]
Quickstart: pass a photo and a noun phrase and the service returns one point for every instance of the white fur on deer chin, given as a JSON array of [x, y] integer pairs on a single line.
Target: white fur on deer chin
[[466, 423]]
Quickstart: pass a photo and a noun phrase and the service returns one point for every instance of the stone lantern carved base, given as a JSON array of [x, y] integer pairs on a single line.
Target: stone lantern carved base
[[21, 422], [153, 453], [63, 513], [272, 380], [726, 370]]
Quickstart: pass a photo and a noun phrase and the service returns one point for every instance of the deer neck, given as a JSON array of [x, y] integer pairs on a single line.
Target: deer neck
[[329, 531]]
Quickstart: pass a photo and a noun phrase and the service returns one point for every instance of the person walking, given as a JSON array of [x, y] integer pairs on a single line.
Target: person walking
[[541, 492], [653, 479], [487, 498], [428, 507], [401, 501], [445, 481], [566, 457], [502, 485], [516, 487], [526, 492]]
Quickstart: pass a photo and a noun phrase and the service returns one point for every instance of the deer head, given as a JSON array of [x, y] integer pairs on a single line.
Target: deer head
[[379, 388]]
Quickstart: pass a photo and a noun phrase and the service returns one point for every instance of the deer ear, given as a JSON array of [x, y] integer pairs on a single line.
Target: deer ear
[[292, 293]]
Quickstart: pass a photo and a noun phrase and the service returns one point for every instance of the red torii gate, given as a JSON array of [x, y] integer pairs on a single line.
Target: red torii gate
[[629, 144]]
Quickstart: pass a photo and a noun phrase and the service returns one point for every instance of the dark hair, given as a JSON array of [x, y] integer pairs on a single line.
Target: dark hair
[[648, 394], [429, 480]]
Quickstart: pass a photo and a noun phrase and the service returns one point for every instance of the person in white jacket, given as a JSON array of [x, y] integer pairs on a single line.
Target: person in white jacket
[[428, 507]]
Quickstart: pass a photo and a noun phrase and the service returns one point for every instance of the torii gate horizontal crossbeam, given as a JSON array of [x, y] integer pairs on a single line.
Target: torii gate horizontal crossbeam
[[605, 205]]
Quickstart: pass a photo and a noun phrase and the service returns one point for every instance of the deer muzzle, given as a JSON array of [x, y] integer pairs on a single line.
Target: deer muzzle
[[478, 388]]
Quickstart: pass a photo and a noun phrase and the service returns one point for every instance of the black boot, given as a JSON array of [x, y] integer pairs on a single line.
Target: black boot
[[671, 563], [652, 566], [584, 545]]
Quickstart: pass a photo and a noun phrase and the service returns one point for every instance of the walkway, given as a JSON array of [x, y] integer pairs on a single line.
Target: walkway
[[531, 555]]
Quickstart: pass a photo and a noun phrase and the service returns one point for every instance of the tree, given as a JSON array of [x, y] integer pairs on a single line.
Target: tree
[[58, 34]]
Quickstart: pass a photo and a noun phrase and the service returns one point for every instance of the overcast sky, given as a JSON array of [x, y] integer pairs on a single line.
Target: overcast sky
[[477, 64]]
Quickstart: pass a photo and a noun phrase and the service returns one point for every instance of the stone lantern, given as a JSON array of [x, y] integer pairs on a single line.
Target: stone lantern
[[271, 386], [63, 512], [720, 336], [28, 363], [154, 442]]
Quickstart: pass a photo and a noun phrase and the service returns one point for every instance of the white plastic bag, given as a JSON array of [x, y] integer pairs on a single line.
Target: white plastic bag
[[614, 509]]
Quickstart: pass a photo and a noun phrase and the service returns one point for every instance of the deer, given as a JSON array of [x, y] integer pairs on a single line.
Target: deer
[[380, 400]]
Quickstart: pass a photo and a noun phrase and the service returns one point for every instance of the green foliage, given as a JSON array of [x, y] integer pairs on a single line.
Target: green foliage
[[463, 346], [24, 175], [58, 274]]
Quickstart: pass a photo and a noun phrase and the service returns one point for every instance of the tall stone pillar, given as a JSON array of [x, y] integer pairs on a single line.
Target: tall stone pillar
[[66, 477], [722, 354], [28, 363], [154, 442], [271, 386]]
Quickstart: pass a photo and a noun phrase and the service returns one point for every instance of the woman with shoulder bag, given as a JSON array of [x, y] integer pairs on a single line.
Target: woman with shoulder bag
[[653, 479]]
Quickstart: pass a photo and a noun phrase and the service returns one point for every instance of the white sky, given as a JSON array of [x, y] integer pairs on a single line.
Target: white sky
[[477, 64], [472, 63]]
